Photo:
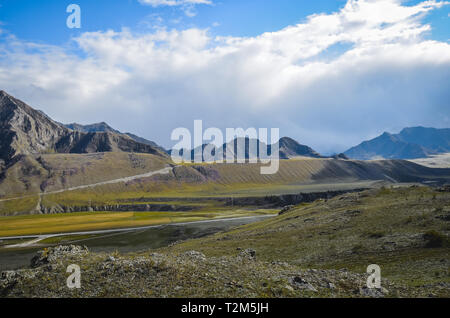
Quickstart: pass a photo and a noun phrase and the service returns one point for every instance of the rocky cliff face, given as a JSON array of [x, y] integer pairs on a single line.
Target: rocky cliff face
[[24, 131]]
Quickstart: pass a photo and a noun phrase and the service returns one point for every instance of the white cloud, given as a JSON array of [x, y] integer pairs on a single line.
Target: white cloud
[[385, 75]]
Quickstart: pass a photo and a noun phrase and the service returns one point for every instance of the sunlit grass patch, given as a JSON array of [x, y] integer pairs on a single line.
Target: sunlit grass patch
[[92, 221]]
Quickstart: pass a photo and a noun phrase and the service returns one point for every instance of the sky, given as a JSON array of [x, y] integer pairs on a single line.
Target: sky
[[329, 74]]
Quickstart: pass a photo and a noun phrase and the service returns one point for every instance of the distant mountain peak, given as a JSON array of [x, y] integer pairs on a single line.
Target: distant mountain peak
[[97, 127], [3, 93], [290, 148], [105, 128], [410, 143], [238, 147]]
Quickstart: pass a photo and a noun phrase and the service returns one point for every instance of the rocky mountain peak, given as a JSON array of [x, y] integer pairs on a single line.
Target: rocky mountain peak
[[25, 131], [290, 148]]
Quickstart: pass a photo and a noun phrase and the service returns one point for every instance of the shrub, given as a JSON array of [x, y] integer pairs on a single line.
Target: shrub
[[376, 234], [435, 239], [384, 191]]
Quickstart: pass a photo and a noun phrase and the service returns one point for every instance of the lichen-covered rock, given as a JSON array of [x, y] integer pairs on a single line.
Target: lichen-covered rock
[[195, 255], [373, 292], [52, 254], [248, 254], [301, 283]]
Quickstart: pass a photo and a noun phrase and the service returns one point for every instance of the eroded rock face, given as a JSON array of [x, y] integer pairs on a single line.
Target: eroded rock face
[[24, 131]]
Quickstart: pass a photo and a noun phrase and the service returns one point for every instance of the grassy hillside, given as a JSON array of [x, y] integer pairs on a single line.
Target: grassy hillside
[[89, 221], [404, 230], [224, 180], [48, 173], [320, 249], [30, 175]]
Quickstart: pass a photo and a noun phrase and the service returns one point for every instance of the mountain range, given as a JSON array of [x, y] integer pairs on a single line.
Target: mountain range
[[25, 131], [410, 143], [240, 149], [39, 155]]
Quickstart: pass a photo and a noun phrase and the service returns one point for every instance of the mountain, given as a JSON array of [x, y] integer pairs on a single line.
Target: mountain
[[104, 127], [100, 127], [289, 148], [410, 143], [26, 131], [437, 140], [143, 140]]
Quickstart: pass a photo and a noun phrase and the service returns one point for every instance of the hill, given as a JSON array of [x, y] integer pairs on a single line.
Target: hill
[[47, 178], [410, 143]]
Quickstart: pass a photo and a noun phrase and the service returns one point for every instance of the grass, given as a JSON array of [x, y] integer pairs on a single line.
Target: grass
[[50, 172], [402, 230], [90, 221], [23, 206], [114, 194], [65, 239]]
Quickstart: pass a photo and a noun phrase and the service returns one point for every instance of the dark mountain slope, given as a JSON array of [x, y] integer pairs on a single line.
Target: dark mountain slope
[[411, 143], [25, 131], [289, 148], [437, 140], [240, 148], [104, 127], [99, 127]]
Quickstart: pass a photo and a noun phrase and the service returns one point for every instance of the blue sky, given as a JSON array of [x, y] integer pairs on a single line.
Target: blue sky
[[44, 20], [331, 80]]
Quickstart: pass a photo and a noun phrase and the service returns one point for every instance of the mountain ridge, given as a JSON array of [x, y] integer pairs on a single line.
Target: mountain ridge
[[104, 127], [410, 143], [288, 149], [25, 131]]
